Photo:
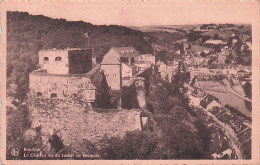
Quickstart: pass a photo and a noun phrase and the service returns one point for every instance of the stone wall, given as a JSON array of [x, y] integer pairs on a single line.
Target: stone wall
[[47, 61], [90, 87], [113, 75], [73, 121], [61, 86]]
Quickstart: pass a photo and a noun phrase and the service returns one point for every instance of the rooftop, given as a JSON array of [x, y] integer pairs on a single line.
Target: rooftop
[[93, 70], [126, 51], [65, 50], [129, 52], [198, 48], [111, 60]]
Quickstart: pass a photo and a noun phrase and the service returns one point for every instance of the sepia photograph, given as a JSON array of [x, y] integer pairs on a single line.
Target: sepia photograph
[[129, 81]]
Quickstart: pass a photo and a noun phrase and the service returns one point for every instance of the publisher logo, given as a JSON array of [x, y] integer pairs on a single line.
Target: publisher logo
[[14, 151]]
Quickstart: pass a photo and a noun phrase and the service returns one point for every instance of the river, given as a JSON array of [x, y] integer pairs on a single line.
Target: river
[[219, 90]]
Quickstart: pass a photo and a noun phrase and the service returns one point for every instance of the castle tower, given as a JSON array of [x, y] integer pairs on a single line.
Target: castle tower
[[67, 61], [64, 74]]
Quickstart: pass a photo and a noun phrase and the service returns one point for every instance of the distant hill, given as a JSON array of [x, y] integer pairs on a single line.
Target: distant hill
[[27, 34], [165, 28]]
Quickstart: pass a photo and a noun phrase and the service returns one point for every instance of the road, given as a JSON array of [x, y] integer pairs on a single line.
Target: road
[[231, 135]]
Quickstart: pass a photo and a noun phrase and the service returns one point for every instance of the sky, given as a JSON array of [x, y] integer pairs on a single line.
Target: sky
[[141, 13]]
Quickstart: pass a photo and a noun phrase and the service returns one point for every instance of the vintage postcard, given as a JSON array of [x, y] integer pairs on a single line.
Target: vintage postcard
[[130, 82]]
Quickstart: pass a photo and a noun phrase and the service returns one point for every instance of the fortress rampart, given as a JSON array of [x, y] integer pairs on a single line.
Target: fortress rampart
[[73, 121], [61, 86]]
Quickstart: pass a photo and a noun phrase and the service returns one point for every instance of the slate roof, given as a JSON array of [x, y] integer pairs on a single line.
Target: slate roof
[[110, 60], [129, 52]]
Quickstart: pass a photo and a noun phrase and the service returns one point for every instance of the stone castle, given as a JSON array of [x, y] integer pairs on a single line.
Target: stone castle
[[67, 95]]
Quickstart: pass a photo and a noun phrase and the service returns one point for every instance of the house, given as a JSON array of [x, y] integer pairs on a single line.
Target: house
[[221, 58], [215, 42], [161, 69], [170, 71], [118, 63], [213, 104], [198, 93], [128, 70], [178, 52], [199, 49], [207, 100], [241, 73], [145, 58], [166, 72], [142, 65], [186, 46], [144, 61], [234, 40], [249, 44]]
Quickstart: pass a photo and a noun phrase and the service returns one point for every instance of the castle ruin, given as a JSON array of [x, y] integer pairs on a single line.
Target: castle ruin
[[66, 94]]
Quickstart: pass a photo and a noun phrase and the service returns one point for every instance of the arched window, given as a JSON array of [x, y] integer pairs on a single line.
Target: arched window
[[53, 95], [38, 94], [45, 59], [58, 59]]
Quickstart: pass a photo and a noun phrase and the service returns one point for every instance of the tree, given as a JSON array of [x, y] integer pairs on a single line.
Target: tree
[[203, 54], [134, 145], [216, 36], [248, 89], [162, 56]]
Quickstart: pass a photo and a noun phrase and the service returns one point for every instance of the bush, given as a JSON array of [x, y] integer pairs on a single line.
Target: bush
[[17, 124]]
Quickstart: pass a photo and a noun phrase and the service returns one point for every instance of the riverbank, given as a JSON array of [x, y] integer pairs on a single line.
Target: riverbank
[[231, 89], [226, 95]]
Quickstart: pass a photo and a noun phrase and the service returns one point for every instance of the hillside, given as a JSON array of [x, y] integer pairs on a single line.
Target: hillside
[[27, 34]]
